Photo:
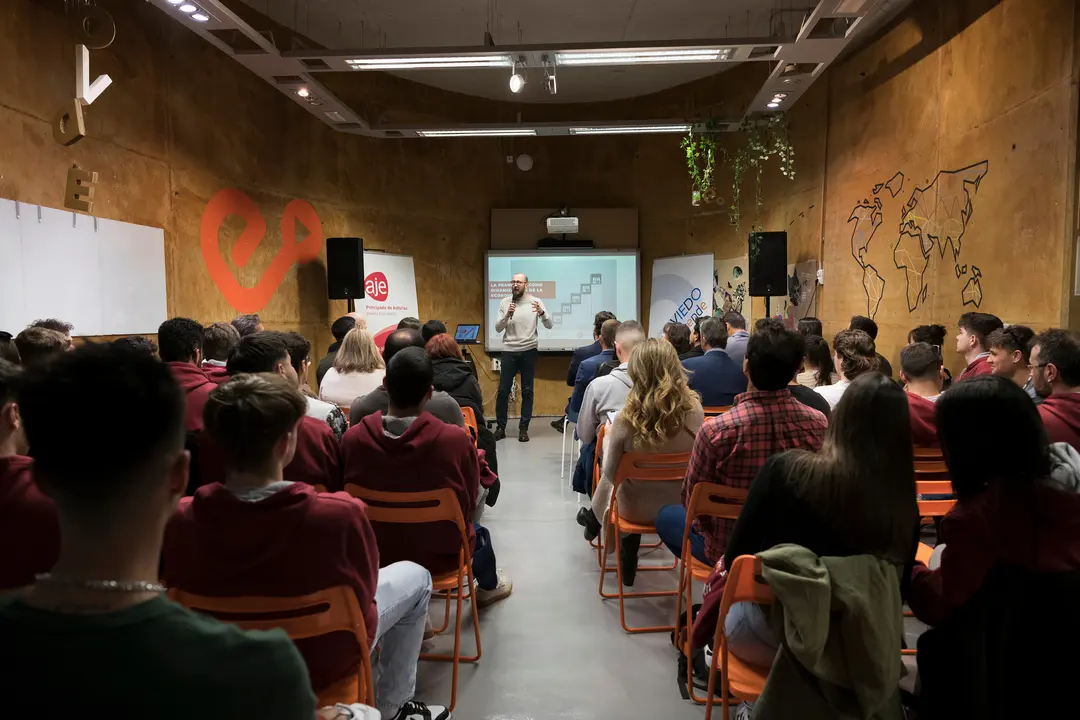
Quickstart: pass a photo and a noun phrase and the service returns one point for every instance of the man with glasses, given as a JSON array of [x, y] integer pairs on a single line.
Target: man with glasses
[[1055, 373], [518, 318]]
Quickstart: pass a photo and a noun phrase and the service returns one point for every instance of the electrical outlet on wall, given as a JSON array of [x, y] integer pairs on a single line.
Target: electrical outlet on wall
[[496, 365]]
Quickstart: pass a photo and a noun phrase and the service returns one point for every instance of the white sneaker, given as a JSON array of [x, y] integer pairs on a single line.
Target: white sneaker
[[500, 592], [414, 710], [742, 711]]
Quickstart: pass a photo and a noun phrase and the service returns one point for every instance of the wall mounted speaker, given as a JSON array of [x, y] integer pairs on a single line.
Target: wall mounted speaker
[[345, 268], [768, 264]]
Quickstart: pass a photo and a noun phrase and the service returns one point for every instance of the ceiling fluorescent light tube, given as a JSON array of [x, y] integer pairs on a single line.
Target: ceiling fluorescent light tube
[[493, 132], [850, 6], [424, 63], [629, 129], [633, 57]]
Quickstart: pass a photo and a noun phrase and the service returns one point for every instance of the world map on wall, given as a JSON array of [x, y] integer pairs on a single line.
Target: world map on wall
[[935, 216]]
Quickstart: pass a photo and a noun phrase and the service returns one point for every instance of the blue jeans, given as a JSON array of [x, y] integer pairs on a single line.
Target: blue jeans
[[670, 523], [402, 598], [749, 636], [583, 470], [512, 364], [483, 560]]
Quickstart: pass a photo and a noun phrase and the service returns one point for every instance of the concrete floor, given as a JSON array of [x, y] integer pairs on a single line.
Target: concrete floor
[[554, 648]]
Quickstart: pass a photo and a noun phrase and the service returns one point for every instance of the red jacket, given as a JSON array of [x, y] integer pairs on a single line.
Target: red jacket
[[1061, 417], [197, 388], [428, 456], [29, 529], [1046, 540], [294, 542], [978, 366], [923, 424], [215, 373], [317, 460]]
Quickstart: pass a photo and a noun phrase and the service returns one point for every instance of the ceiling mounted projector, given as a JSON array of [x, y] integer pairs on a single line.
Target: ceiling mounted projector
[[561, 225]]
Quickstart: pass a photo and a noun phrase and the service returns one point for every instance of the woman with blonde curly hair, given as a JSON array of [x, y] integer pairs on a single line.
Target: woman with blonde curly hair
[[662, 415], [358, 369]]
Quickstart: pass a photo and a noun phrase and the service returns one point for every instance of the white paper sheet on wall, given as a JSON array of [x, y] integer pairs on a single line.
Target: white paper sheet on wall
[[106, 281]]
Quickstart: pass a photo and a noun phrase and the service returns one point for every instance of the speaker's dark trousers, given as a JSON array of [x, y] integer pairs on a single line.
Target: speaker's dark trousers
[[512, 364]]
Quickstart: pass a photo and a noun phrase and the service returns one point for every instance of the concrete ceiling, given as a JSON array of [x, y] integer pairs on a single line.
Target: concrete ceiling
[[372, 24]]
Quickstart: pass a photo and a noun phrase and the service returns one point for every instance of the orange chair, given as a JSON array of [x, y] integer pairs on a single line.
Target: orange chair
[[933, 508], [430, 507], [345, 412], [740, 680], [471, 426], [923, 454], [713, 500], [335, 609], [598, 543], [716, 410], [640, 467]]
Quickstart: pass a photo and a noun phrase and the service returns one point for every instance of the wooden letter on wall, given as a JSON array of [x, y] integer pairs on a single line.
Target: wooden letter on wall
[[69, 127], [80, 189]]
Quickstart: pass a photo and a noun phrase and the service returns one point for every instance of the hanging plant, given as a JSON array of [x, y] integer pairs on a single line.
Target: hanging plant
[[700, 162], [763, 141]]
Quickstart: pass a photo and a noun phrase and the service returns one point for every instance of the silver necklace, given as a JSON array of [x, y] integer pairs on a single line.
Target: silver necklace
[[119, 586]]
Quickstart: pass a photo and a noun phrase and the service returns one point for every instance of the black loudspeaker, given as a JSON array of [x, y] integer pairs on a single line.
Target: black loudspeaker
[[345, 268], [768, 264]]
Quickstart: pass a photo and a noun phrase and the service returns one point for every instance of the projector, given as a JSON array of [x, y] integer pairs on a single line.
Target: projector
[[561, 225]]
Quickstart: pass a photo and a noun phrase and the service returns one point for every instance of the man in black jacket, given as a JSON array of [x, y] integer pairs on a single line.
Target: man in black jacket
[[340, 329]]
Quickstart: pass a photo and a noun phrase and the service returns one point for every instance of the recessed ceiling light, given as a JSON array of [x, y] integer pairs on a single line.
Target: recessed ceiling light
[[175, 2], [633, 57], [303, 92], [433, 62], [335, 116], [490, 132], [629, 129], [199, 17], [773, 105], [780, 96], [188, 8]]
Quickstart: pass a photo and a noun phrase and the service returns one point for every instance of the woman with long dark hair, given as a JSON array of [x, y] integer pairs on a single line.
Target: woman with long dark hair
[[818, 369]]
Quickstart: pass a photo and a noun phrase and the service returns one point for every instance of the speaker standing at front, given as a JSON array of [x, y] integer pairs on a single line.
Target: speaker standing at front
[[345, 268], [768, 264]]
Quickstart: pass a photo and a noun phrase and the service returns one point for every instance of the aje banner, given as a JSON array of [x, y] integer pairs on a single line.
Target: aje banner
[[390, 292], [681, 291]]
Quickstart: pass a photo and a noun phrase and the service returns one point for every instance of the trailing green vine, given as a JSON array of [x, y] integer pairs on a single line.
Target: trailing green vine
[[700, 163]]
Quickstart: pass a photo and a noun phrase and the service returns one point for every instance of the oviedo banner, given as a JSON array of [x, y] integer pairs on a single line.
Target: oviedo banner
[[681, 291]]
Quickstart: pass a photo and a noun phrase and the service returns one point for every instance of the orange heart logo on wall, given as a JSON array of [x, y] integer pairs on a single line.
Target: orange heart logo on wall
[[235, 202]]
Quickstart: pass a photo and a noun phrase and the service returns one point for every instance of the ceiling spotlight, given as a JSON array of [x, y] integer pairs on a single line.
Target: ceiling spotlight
[[517, 80], [187, 8], [200, 17], [303, 92], [773, 105], [175, 2], [549, 76]]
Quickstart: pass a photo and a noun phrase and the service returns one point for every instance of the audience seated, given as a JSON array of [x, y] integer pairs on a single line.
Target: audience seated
[[358, 369], [868, 326], [1010, 356], [138, 343], [853, 355], [260, 535], [678, 334], [661, 414], [60, 326], [300, 358], [39, 345], [975, 327], [248, 324], [855, 497], [808, 326], [587, 370], [339, 330], [920, 371], [607, 367], [441, 405], [98, 634], [818, 369], [584, 353], [410, 323], [407, 449], [803, 394], [1055, 374], [432, 328], [933, 335], [8, 350], [603, 397], [735, 348], [219, 339], [731, 448], [715, 376], [29, 530], [180, 345], [453, 376], [695, 340]]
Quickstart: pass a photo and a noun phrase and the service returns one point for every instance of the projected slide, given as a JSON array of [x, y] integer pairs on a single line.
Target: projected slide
[[573, 285]]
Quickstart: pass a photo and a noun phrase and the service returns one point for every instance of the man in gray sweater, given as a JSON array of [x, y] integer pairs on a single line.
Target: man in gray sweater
[[518, 318]]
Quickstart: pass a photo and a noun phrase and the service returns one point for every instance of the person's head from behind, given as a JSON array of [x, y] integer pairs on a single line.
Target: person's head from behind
[[712, 334], [180, 340], [39, 346], [975, 327], [408, 381], [862, 482], [358, 353], [853, 353], [138, 343], [432, 328], [399, 340], [868, 326], [64, 328], [219, 339], [598, 322], [12, 437], [660, 396], [409, 323], [125, 471], [607, 334], [8, 350], [734, 322], [627, 337], [264, 352], [678, 334], [253, 418], [1010, 350], [808, 326], [1055, 362], [342, 326], [920, 368], [1012, 448], [929, 334], [819, 360], [774, 355], [695, 331], [442, 346], [248, 324], [299, 349]]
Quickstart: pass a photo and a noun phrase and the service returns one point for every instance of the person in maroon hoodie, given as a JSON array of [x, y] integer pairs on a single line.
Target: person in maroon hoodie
[[1055, 375], [219, 339], [920, 371], [29, 530], [259, 534], [410, 450], [1010, 356], [1013, 508], [971, 342], [180, 342]]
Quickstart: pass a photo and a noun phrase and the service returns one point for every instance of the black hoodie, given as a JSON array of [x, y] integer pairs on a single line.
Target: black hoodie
[[456, 379]]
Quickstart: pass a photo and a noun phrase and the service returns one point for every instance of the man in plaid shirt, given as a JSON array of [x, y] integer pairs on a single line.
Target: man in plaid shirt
[[731, 448]]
